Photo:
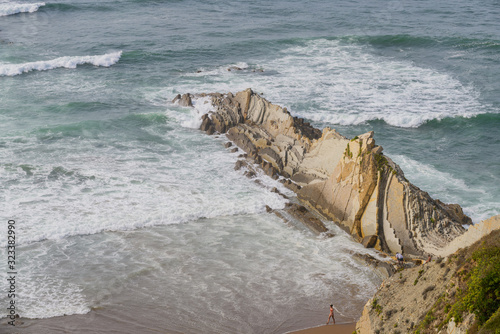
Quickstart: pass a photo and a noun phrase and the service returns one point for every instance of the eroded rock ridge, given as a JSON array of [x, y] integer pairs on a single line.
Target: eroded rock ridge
[[349, 181]]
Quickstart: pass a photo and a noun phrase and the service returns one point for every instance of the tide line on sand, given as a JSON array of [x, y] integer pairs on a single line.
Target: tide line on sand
[[329, 329]]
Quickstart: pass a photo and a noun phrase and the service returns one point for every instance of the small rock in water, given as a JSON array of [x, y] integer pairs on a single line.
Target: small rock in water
[[249, 174], [239, 164], [184, 100]]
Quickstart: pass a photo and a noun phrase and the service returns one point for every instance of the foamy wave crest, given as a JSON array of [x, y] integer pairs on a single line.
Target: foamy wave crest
[[66, 62], [347, 84], [331, 81], [191, 117], [15, 8], [197, 181]]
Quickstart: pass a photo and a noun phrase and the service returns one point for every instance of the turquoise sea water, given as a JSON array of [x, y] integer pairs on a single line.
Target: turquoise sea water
[[117, 196]]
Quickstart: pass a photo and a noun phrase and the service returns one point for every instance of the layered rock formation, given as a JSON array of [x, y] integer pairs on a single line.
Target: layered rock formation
[[474, 233], [348, 181]]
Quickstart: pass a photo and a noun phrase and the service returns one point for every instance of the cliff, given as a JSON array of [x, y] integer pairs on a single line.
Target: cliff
[[349, 181], [457, 294]]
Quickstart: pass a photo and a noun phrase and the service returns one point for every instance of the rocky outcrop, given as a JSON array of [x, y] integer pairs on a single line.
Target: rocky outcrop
[[403, 300], [429, 298], [369, 195], [184, 100], [348, 181]]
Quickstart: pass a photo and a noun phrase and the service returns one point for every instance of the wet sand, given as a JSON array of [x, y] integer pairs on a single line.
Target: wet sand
[[329, 329], [97, 322], [94, 322]]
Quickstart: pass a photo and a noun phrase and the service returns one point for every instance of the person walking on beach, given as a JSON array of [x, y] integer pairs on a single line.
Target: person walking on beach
[[331, 315]]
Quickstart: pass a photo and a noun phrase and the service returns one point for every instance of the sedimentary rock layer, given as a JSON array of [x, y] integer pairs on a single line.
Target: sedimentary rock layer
[[349, 181]]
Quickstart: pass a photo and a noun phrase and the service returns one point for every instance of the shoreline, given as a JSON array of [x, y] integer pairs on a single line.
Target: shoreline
[[115, 321], [347, 328], [96, 321]]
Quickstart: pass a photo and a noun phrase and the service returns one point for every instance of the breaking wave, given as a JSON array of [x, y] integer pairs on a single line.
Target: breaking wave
[[16, 8], [343, 82], [105, 60]]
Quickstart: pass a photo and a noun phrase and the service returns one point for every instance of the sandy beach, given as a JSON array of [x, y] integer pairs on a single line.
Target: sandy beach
[[329, 329], [115, 321]]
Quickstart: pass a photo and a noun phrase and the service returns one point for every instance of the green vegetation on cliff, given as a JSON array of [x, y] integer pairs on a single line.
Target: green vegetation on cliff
[[483, 295], [492, 326], [474, 289]]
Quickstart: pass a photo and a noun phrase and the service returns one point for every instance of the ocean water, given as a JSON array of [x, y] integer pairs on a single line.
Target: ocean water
[[117, 197]]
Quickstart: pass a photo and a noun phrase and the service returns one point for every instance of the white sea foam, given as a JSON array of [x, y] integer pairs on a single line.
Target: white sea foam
[[333, 82], [46, 297], [192, 119], [89, 191], [221, 70], [15, 8], [349, 85], [105, 60], [238, 245], [340, 83], [227, 264]]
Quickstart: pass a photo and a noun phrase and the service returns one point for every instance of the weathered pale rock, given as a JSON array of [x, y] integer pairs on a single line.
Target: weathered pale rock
[[473, 234], [364, 324], [325, 154], [377, 150], [415, 299], [343, 197], [184, 100], [460, 328], [369, 241], [348, 181]]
